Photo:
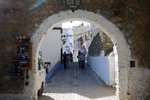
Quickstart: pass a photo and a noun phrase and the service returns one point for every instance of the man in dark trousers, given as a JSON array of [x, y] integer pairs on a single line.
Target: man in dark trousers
[[65, 60], [82, 60]]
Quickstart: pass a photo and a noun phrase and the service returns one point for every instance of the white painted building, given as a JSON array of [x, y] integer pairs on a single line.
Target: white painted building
[[104, 67], [51, 47], [67, 36]]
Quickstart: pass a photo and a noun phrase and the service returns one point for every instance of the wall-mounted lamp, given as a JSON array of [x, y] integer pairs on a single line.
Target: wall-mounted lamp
[[73, 4]]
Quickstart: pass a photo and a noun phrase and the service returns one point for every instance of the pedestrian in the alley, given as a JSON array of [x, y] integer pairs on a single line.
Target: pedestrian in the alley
[[82, 60], [70, 59], [79, 59], [65, 60]]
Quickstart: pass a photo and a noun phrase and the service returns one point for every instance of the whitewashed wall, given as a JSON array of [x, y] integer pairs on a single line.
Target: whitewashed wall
[[104, 66], [51, 47], [112, 65]]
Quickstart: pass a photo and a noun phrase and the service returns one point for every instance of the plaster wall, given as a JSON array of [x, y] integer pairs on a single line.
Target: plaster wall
[[100, 65], [51, 47], [112, 67], [104, 66]]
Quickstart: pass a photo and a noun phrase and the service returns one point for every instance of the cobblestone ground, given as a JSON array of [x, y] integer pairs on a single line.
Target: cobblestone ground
[[76, 84]]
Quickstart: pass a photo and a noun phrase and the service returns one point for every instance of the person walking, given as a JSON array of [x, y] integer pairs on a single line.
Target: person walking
[[82, 60], [79, 59], [70, 59], [65, 60]]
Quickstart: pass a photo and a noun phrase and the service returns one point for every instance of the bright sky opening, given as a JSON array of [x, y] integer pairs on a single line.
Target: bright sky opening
[[70, 24]]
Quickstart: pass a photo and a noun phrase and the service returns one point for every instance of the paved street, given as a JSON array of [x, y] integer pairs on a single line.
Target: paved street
[[75, 84]]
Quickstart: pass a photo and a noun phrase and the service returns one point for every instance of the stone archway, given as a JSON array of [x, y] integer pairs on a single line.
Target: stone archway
[[106, 26]]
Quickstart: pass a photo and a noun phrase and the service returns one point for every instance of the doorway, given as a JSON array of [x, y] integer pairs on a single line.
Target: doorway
[[106, 26]]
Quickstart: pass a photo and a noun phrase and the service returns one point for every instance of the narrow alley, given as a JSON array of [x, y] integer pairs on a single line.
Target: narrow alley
[[112, 36], [76, 84]]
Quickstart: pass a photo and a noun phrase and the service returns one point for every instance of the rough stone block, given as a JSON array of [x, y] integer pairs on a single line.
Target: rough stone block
[[123, 86], [123, 73]]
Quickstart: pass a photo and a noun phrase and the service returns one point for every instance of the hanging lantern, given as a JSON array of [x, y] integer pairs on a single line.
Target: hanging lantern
[[73, 4]]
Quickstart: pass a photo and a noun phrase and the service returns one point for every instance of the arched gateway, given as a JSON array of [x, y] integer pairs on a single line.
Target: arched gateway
[[106, 26]]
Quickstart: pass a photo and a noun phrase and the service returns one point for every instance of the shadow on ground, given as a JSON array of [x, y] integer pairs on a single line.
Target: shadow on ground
[[43, 97]]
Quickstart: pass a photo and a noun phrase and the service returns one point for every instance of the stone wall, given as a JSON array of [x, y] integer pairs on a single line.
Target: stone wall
[[107, 43], [96, 46], [100, 42], [132, 17], [138, 81]]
